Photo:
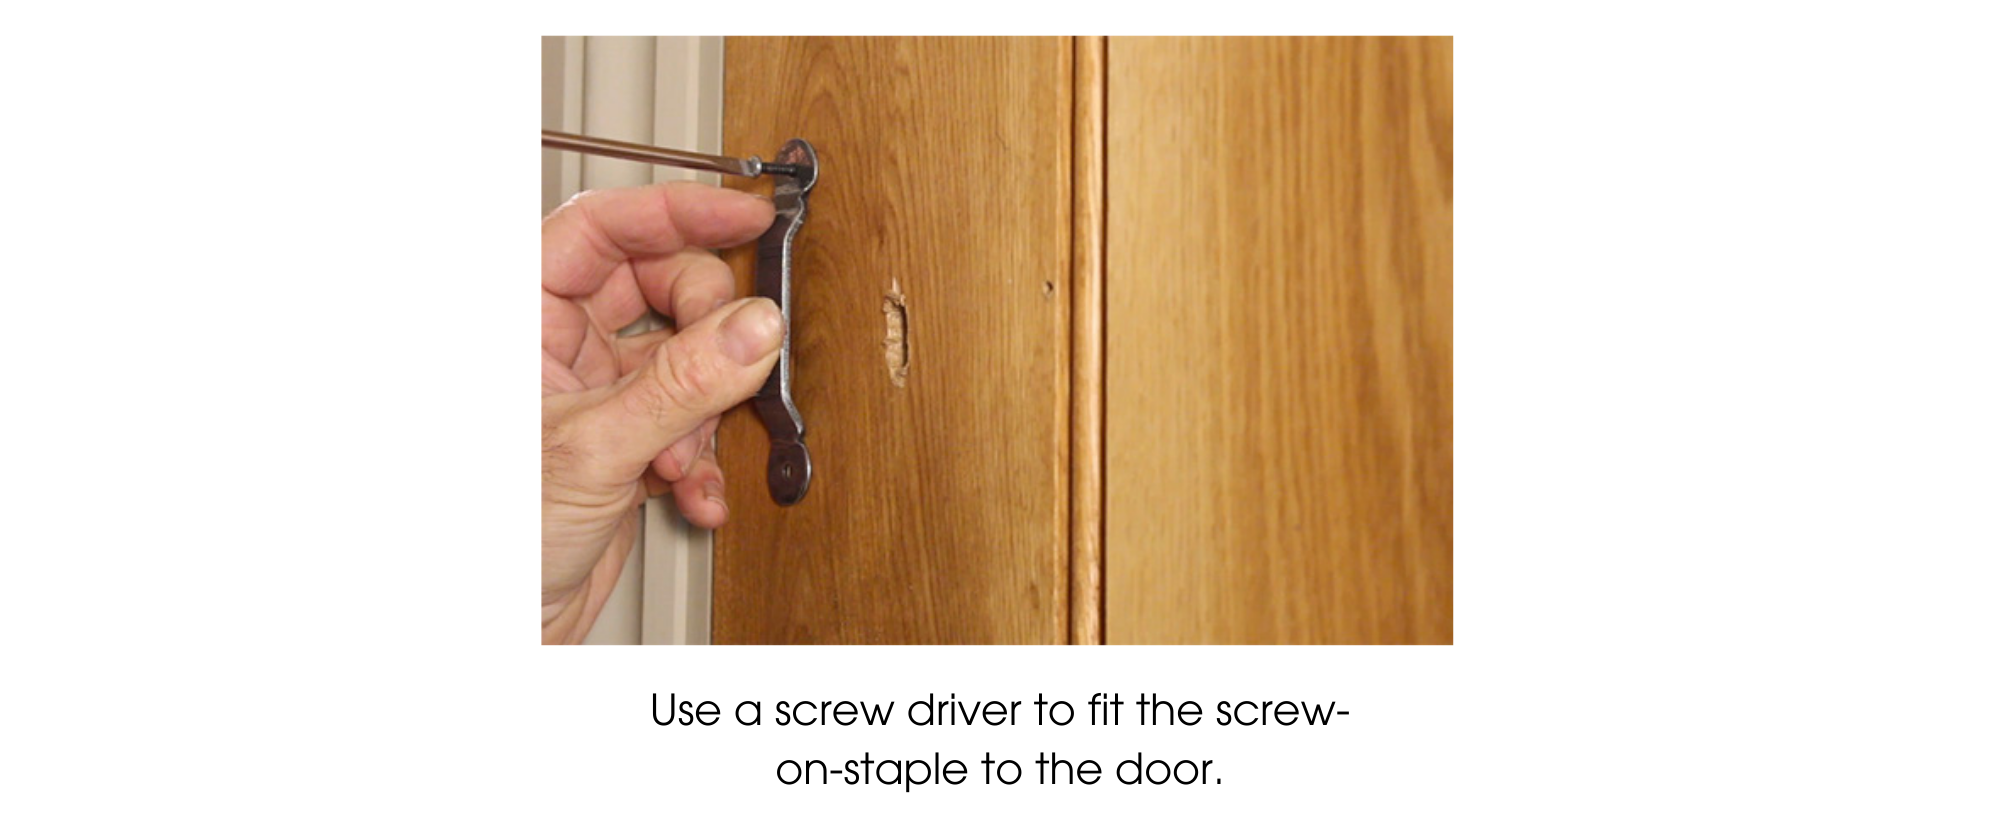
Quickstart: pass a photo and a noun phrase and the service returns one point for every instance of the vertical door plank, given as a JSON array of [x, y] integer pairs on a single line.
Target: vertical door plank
[[1087, 349], [1278, 372], [938, 510]]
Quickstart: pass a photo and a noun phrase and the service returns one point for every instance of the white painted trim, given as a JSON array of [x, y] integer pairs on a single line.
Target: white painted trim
[[618, 104], [552, 112], [687, 114], [572, 110], [663, 91]]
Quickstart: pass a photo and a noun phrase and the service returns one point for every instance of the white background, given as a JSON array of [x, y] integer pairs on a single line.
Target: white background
[[1725, 457]]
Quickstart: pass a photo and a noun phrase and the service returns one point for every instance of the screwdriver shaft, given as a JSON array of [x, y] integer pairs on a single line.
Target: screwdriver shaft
[[752, 167]]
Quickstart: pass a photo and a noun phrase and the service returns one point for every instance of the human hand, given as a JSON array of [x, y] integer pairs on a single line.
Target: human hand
[[626, 418]]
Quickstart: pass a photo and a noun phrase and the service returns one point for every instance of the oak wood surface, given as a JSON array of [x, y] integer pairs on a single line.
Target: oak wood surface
[[1087, 348], [939, 509], [1278, 332]]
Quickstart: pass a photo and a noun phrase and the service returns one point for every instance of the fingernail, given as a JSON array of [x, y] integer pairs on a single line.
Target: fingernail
[[713, 492], [752, 332]]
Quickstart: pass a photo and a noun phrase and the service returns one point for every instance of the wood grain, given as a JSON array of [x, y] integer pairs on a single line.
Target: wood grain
[[1086, 531], [1278, 372], [939, 510]]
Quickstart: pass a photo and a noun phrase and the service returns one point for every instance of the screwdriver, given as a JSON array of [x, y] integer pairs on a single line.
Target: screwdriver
[[752, 167]]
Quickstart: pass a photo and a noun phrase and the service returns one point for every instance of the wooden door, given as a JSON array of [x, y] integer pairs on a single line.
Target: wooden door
[[1178, 327], [1278, 379], [939, 505]]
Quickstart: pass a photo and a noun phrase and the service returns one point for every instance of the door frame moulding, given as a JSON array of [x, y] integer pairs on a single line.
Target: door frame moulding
[[679, 558], [1086, 402], [664, 91]]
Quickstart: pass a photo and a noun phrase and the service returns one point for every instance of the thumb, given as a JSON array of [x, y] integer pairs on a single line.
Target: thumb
[[699, 373]]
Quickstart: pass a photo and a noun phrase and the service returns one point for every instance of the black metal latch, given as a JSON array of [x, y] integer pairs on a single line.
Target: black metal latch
[[790, 469]]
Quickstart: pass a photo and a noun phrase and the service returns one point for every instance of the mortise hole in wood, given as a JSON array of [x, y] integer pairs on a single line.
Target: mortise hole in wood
[[895, 341]]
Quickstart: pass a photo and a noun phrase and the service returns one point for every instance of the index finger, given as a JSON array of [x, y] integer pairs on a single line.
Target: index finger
[[586, 239]]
